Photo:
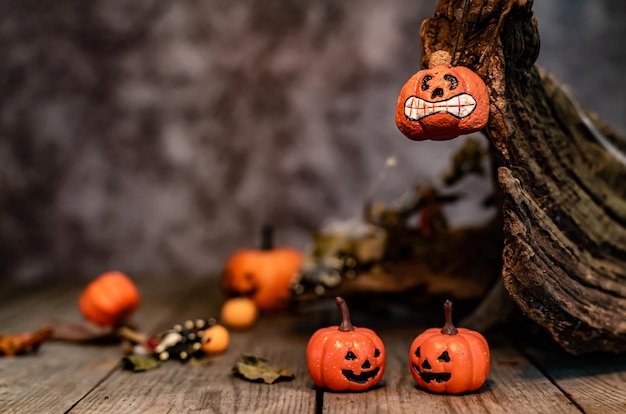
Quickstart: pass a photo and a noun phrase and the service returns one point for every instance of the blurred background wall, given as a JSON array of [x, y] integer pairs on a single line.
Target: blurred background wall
[[157, 136]]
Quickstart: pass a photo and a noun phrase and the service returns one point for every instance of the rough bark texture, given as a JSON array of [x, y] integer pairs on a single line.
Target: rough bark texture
[[561, 174]]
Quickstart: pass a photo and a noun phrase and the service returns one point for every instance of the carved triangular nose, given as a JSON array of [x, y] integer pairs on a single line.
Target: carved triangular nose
[[426, 365], [437, 93], [366, 364]]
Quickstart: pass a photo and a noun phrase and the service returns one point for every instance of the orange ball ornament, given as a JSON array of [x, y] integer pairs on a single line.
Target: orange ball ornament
[[344, 357], [215, 340], [442, 102], [239, 313], [109, 299], [449, 360], [263, 275]]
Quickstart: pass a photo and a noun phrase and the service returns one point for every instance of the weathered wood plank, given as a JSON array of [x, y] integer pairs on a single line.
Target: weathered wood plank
[[53, 381], [87, 379], [514, 385], [597, 383], [60, 374], [27, 308], [213, 388]]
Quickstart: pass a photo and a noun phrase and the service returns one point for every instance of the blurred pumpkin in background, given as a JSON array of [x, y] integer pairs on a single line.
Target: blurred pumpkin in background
[[264, 275], [109, 299]]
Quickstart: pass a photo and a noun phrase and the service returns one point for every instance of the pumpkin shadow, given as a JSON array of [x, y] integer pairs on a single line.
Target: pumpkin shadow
[[486, 387], [317, 389]]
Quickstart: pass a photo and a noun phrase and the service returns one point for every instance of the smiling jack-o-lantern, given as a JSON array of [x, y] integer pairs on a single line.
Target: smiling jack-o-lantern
[[450, 360], [344, 357], [442, 102]]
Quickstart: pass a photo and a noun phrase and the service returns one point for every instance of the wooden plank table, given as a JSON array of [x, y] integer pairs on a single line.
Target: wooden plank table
[[78, 378]]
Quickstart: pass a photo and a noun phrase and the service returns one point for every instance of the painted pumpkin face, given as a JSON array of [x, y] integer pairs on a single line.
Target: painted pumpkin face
[[442, 102], [450, 360], [345, 358]]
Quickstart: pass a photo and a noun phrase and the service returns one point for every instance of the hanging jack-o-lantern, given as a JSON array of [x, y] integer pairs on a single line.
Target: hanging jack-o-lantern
[[344, 357], [264, 275], [442, 102], [449, 360]]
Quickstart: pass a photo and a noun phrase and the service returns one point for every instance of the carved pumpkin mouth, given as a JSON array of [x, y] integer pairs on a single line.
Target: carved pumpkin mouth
[[458, 106], [249, 293], [362, 378], [438, 377]]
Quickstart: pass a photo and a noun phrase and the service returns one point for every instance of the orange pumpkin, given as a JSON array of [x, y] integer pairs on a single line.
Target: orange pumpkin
[[450, 360], [109, 299], [263, 275], [344, 357], [442, 102]]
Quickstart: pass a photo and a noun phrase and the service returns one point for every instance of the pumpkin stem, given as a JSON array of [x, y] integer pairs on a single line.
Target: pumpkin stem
[[346, 324], [439, 58], [448, 328], [131, 335], [267, 237]]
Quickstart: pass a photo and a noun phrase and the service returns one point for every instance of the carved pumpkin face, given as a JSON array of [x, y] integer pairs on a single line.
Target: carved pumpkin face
[[442, 102], [345, 358], [422, 366], [453, 363]]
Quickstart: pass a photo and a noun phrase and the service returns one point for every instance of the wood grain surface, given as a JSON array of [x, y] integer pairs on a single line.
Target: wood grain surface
[[76, 378]]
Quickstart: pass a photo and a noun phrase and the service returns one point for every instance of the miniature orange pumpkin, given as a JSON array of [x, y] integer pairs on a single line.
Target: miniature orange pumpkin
[[450, 360], [263, 275], [442, 102], [344, 357], [109, 299]]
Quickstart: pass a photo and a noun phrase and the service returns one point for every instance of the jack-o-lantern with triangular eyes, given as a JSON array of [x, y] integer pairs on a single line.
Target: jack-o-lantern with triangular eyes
[[449, 360], [442, 102], [345, 357]]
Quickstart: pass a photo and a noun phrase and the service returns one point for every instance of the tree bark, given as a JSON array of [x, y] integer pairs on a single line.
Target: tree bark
[[561, 173]]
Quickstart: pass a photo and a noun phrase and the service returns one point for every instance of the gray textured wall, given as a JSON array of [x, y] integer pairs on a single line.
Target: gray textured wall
[[157, 136]]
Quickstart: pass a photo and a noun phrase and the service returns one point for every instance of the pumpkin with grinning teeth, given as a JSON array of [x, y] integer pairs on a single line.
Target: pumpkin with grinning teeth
[[345, 358], [442, 102]]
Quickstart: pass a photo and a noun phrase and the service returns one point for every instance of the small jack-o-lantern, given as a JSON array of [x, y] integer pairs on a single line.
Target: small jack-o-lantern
[[344, 357], [442, 102], [264, 275], [450, 360]]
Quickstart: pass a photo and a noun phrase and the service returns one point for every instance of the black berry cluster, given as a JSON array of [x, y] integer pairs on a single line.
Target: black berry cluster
[[183, 341]]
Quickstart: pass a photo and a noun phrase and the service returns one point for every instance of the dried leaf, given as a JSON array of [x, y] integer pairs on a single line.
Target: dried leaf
[[15, 344], [257, 369], [139, 363], [200, 362]]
